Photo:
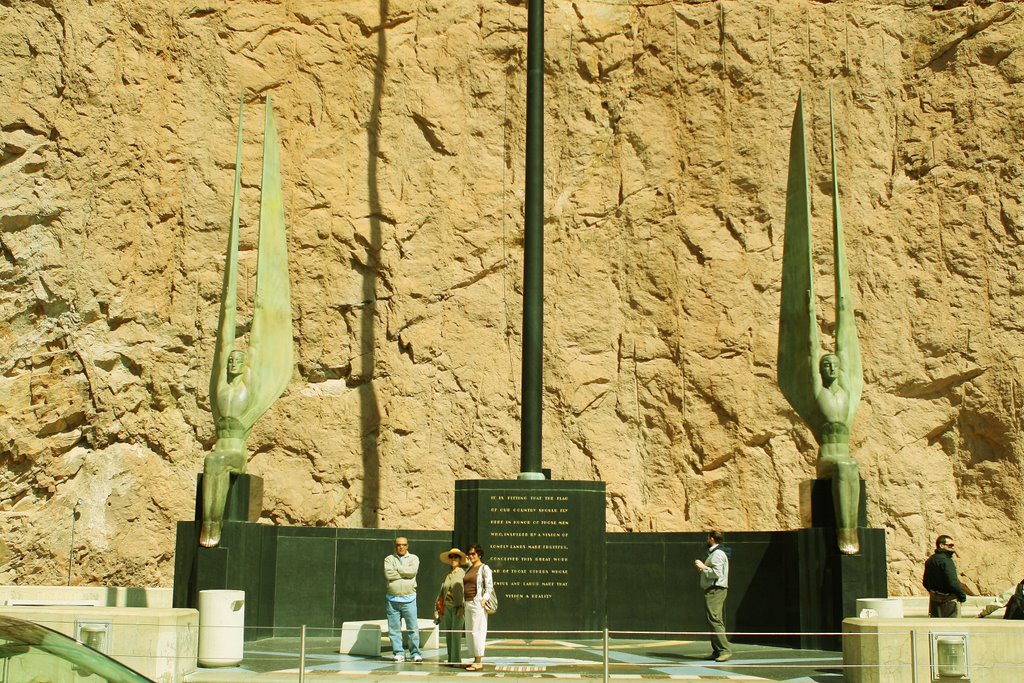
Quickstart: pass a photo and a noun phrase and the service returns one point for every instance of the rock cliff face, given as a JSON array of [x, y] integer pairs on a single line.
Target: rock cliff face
[[402, 125]]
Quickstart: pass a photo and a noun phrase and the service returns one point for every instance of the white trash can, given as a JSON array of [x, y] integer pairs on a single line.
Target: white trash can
[[884, 608], [221, 627]]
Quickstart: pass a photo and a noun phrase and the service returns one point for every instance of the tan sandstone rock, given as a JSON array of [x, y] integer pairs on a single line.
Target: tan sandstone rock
[[667, 128]]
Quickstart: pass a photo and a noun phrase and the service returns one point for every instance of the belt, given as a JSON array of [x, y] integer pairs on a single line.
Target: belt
[[942, 597]]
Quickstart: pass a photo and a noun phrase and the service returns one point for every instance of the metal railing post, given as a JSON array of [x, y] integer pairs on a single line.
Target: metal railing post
[[302, 654], [913, 655], [605, 655]]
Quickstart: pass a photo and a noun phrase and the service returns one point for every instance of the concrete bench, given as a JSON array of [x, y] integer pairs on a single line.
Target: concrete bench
[[369, 638]]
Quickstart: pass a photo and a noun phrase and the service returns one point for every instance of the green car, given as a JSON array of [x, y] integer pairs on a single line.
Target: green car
[[30, 653]]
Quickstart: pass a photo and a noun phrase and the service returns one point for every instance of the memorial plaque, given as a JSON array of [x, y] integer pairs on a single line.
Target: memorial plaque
[[544, 540]]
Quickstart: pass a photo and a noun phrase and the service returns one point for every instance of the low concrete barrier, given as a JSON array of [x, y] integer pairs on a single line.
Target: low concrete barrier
[[161, 643], [917, 605], [915, 650]]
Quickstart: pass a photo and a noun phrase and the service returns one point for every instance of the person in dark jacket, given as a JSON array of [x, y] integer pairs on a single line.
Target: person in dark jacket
[[940, 578]]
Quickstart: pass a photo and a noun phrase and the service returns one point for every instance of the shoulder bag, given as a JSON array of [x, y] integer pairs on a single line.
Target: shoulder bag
[[491, 604]]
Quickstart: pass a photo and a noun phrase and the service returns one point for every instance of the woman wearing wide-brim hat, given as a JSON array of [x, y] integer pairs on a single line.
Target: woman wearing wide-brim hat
[[450, 605]]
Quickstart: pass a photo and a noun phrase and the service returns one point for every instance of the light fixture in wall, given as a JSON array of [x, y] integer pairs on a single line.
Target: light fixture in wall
[[950, 656], [95, 633]]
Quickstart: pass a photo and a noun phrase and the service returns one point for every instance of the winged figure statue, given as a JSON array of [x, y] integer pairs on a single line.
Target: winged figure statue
[[824, 389], [244, 383]]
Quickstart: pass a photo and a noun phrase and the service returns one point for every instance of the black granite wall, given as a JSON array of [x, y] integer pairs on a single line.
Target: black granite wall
[[785, 582], [555, 567], [292, 576]]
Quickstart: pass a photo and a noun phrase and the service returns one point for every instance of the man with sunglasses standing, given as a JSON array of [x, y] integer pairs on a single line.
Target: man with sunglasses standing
[[942, 582], [400, 569]]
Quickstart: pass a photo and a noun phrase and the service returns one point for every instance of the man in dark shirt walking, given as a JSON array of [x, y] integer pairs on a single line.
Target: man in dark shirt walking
[[940, 578]]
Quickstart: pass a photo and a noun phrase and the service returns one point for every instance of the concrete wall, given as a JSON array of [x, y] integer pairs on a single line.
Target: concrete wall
[[160, 643], [901, 650]]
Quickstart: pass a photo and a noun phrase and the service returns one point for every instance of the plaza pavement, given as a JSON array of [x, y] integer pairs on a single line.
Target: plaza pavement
[[275, 660]]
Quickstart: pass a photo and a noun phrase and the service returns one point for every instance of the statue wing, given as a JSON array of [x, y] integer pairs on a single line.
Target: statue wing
[[847, 347], [229, 290], [270, 340], [798, 323]]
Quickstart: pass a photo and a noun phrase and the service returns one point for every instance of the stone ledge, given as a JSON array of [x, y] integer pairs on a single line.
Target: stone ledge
[[99, 596]]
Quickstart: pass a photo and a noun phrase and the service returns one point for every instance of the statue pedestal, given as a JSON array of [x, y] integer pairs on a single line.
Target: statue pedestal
[[816, 508], [830, 583], [245, 498], [228, 565], [545, 541]]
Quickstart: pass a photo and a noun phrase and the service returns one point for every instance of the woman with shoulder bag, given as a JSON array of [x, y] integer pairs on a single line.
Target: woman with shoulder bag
[[449, 614], [478, 584]]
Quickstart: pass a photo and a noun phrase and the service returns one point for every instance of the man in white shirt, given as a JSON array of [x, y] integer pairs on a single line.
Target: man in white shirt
[[714, 581]]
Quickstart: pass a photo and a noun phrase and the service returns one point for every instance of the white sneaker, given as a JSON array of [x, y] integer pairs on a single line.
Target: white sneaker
[[398, 658], [417, 658]]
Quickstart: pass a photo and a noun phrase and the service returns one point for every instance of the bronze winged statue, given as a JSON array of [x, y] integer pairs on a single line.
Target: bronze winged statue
[[244, 383], [824, 389]]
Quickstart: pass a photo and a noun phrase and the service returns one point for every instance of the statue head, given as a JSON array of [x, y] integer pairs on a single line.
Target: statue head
[[828, 366], [236, 361]]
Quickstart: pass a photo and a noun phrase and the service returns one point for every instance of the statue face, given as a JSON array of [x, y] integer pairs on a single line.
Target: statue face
[[236, 360], [829, 367]]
